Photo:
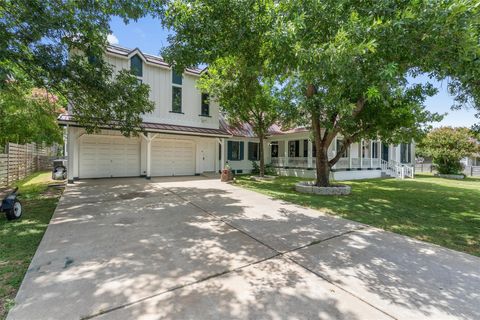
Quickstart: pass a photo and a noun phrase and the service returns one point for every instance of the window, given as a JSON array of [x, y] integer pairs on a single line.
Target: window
[[136, 66], [253, 151], [405, 156], [177, 99], [340, 146], [305, 148], [375, 153], [274, 149], [235, 150], [176, 78], [205, 105], [314, 149], [294, 148], [176, 92]]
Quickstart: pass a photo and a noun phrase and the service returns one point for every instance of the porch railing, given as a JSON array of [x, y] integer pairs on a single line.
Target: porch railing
[[392, 168]]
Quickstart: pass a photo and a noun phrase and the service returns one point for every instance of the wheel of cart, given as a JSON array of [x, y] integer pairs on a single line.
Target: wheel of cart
[[11, 206]]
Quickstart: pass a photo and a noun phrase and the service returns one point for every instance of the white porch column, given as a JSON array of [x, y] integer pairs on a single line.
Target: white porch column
[[285, 153], [310, 154], [71, 152], [222, 151], [361, 153], [148, 139], [371, 153], [350, 156]]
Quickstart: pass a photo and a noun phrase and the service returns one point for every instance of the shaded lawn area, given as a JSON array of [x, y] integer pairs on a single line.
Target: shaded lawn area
[[436, 210], [19, 239]]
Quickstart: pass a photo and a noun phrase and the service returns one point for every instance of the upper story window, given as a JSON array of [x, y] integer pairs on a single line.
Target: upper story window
[[136, 66], [176, 92], [205, 105]]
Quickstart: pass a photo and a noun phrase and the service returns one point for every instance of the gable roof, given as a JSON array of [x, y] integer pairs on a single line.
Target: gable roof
[[148, 58]]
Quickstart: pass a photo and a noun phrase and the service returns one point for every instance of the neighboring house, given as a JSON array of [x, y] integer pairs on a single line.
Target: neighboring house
[[186, 135]]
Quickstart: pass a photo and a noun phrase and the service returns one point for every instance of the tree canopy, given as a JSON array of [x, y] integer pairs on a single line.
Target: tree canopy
[[36, 39], [345, 63]]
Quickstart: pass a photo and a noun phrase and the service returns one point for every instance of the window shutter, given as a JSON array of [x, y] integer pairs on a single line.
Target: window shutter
[[229, 150], [241, 150]]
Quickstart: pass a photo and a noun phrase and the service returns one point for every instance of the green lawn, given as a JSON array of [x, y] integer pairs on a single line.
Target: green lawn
[[436, 210], [19, 239]]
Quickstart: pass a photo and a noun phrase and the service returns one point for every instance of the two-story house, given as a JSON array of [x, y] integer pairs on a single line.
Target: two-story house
[[186, 135]]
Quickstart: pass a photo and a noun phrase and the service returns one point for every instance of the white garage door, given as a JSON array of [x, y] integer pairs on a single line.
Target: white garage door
[[173, 158], [102, 156]]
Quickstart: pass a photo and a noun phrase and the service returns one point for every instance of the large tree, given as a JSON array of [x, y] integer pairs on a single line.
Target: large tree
[[346, 63], [37, 37]]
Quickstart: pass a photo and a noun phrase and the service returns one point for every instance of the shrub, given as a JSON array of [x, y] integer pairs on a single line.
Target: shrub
[[447, 146]]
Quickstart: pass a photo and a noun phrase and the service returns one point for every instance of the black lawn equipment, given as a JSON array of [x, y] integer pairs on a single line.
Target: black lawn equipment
[[11, 205]]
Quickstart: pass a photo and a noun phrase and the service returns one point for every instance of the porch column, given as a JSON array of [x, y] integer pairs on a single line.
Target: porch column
[[285, 153], [335, 148], [71, 153], [350, 156], [361, 153], [310, 154], [148, 139], [371, 153], [222, 151]]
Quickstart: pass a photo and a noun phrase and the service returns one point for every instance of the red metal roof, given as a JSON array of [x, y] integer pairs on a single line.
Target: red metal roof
[[161, 127]]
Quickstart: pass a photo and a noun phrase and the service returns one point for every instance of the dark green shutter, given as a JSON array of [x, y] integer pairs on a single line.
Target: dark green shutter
[[241, 150], [229, 150]]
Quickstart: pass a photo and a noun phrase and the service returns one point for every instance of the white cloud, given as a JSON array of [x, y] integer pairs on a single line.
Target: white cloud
[[112, 39]]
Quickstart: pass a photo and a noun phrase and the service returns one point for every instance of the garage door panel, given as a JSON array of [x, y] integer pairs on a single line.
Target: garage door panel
[[109, 157], [173, 158]]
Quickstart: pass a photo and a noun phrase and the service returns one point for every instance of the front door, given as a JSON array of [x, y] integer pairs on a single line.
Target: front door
[[384, 151]]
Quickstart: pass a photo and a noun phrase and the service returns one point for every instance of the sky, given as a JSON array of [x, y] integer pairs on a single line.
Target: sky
[[148, 35]]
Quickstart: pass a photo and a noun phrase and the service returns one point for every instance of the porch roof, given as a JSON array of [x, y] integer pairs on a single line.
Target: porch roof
[[66, 119]]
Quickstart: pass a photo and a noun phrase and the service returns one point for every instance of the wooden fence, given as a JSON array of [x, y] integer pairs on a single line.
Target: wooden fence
[[471, 171], [20, 160]]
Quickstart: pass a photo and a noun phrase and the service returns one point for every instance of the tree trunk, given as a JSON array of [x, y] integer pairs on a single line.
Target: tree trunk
[[261, 155], [322, 165]]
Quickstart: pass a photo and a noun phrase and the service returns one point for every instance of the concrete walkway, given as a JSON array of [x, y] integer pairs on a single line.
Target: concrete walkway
[[191, 248]]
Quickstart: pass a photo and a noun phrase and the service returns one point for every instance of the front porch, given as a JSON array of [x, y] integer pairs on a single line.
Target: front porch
[[297, 157]]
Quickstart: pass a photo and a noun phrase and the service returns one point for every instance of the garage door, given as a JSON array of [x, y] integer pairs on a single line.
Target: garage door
[[173, 158], [102, 156]]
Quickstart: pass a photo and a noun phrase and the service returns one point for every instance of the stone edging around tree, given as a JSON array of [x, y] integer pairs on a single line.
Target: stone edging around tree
[[450, 176], [310, 187]]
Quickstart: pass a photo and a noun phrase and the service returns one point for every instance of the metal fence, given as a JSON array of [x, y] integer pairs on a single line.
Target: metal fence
[[471, 171], [20, 160]]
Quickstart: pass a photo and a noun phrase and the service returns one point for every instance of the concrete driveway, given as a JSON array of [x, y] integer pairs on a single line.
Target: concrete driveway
[[192, 248]]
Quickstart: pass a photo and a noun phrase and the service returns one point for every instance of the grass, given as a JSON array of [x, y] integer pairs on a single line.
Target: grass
[[428, 208], [19, 239]]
